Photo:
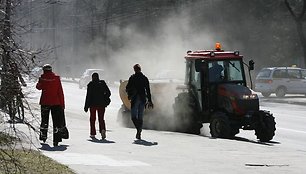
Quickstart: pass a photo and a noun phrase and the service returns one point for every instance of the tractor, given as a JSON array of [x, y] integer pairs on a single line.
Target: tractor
[[215, 91]]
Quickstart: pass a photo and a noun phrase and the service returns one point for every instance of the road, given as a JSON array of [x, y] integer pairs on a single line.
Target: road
[[176, 153]]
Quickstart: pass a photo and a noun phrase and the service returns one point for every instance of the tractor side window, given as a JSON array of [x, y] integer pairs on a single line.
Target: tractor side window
[[195, 77], [187, 75]]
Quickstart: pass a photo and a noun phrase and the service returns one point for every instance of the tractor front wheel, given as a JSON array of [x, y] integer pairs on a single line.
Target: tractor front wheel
[[265, 127]]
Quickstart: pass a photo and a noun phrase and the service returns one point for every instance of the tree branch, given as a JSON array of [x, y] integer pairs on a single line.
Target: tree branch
[[290, 10], [303, 11]]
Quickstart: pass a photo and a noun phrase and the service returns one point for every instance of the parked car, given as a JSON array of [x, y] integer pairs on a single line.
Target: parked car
[[86, 77], [281, 81]]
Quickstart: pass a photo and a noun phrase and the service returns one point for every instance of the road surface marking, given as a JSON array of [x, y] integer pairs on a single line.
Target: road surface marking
[[91, 159]]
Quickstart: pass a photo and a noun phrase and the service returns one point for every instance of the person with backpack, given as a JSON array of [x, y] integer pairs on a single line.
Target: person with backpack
[[97, 99]]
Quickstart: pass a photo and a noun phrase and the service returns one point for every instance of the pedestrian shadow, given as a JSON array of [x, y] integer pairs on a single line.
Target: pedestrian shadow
[[145, 143], [95, 140], [47, 147]]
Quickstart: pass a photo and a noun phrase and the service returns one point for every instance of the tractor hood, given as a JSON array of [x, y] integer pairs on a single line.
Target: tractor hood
[[233, 90], [241, 98]]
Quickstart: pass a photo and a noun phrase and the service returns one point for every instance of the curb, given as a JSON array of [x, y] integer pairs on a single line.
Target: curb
[[302, 103]]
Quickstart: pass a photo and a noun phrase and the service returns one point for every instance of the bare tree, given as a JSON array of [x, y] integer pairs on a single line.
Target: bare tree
[[299, 17], [15, 61]]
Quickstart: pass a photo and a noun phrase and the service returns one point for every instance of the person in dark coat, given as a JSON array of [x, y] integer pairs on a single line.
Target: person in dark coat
[[52, 99], [138, 90], [97, 98]]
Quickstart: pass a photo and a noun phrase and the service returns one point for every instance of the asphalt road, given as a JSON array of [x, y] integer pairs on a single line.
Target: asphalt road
[[176, 153]]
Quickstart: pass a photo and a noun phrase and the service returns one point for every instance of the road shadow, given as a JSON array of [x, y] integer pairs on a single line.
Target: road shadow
[[145, 143], [95, 140], [47, 147], [269, 143], [237, 138]]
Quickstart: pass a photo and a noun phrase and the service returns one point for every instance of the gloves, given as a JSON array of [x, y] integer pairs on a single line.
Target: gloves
[[150, 105], [85, 109]]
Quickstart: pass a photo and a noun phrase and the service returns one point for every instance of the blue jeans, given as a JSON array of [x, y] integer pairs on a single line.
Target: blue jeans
[[137, 108]]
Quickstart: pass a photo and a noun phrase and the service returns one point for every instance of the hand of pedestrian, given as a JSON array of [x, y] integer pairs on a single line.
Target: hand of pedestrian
[[85, 109], [150, 105]]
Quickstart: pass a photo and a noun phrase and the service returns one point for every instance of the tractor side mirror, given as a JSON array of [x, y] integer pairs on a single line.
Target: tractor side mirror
[[251, 65]]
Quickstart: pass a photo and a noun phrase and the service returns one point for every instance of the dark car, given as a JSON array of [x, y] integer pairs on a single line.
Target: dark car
[[86, 77]]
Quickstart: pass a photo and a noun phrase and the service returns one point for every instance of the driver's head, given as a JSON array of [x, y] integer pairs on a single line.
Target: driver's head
[[137, 68], [214, 63]]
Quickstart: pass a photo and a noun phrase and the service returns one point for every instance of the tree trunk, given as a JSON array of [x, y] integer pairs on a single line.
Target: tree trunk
[[299, 25], [301, 35]]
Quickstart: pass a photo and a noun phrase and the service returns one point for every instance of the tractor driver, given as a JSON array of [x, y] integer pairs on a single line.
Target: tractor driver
[[215, 72]]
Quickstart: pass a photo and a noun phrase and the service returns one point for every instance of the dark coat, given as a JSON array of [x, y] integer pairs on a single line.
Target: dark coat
[[97, 94], [138, 84]]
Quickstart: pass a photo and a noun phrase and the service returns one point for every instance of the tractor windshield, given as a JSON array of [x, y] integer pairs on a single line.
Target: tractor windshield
[[225, 71]]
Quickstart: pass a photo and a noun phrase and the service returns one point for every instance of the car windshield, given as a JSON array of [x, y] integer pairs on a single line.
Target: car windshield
[[264, 73]]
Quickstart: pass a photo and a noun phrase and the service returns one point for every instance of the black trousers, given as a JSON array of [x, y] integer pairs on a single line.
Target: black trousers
[[57, 119]]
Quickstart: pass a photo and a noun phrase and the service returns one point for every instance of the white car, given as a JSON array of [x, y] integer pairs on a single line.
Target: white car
[[86, 77], [281, 81]]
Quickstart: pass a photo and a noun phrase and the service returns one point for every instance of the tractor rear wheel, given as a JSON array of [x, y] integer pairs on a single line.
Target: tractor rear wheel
[[185, 114], [220, 126], [265, 127]]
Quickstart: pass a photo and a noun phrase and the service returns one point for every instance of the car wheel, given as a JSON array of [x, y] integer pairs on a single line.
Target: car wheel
[[266, 94], [280, 92]]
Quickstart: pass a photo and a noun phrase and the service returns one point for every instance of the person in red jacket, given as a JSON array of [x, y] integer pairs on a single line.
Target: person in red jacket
[[52, 99]]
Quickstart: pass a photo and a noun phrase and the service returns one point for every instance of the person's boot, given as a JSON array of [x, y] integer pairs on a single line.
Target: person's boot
[[43, 137], [138, 134], [103, 134], [55, 144]]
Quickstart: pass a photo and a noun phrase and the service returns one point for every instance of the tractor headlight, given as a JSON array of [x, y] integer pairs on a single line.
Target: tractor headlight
[[249, 97]]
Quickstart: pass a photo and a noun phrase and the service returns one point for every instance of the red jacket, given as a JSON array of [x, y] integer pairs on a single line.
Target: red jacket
[[52, 91]]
